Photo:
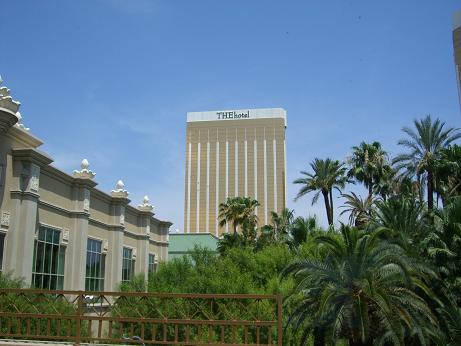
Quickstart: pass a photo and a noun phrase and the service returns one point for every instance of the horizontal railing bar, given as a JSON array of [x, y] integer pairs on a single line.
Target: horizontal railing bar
[[40, 337], [139, 319], [140, 294], [129, 341], [169, 342]]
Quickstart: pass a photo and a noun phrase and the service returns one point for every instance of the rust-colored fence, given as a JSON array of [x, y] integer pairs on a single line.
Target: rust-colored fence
[[141, 318]]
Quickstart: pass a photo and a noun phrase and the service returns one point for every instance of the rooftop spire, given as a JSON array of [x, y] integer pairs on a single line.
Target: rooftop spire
[[8, 109]]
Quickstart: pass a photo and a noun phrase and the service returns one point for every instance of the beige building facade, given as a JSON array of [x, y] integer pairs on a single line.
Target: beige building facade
[[229, 154], [57, 230]]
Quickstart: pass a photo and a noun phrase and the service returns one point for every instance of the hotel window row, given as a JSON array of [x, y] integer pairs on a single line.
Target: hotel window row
[[49, 261]]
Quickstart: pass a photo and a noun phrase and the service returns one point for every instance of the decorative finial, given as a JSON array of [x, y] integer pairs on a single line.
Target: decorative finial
[[19, 123], [119, 190], [119, 186], [8, 109], [85, 164], [146, 206], [84, 172]]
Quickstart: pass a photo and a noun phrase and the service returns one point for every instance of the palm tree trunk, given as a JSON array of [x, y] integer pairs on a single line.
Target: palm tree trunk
[[327, 206], [235, 228], [331, 205], [430, 190], [370, 189]]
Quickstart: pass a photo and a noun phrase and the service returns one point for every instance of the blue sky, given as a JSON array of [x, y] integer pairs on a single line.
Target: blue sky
[[112, 80]]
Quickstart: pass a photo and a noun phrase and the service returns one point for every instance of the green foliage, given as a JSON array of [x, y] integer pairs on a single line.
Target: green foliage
[[425, 144], [238, 211], [393, 277], [369, 165], [448, 172], [361, 289], [8, 281], [326, 175], [360, 210]]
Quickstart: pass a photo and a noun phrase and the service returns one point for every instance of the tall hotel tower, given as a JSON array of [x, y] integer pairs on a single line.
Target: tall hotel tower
[[457, 48], [233, 153]]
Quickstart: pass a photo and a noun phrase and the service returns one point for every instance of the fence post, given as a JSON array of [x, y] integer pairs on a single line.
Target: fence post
[[79, 318], [279, 320]]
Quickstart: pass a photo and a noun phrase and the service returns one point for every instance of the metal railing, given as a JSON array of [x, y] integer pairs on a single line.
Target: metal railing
[[141, 318]]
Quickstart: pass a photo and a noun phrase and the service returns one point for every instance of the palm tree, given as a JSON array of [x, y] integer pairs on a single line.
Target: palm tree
[[425, 146], [403, 220], [238, 210], [364, 289], [229, 241], [282, 223], [360, 209], [451, 314], [300, 230], [368, 163], [443, 245], [448, 173], [327, 174], [387, 183]]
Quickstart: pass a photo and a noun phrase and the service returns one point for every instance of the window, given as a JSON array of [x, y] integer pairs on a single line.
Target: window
[[128, 264], [2, 245], [95, 266], [151, 268], [48, 263], [1, 174]]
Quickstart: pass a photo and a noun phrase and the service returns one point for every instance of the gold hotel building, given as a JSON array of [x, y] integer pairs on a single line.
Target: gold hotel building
[[233, 153], [457, 48]]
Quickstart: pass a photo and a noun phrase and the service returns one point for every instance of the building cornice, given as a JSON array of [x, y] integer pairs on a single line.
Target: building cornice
[[158, 242], [41, 159], [25, 193], [32, 155], [194, 234], [24, 137]]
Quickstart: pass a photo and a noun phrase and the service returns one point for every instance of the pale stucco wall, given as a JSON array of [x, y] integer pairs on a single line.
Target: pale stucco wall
[[32, 193]]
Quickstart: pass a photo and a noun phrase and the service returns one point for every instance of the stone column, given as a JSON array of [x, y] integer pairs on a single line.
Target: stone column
[[75, 265], [24, 206], [114, 256], [145, 214], [164, 230]]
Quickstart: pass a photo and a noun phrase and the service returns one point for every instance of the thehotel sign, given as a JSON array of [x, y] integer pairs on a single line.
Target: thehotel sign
[[233, 115], [237, 114]]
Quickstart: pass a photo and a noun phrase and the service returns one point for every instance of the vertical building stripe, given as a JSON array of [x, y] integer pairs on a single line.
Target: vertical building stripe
[[217, 186], [236, 169], [284, 172], [227, 176], [207, 217], [197, 219], [227, 170], [274, 146], [265, 178], [246, 167], [255, 168], [189, 163]]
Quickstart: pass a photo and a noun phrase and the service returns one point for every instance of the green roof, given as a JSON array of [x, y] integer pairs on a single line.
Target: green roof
[[182, 243]]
